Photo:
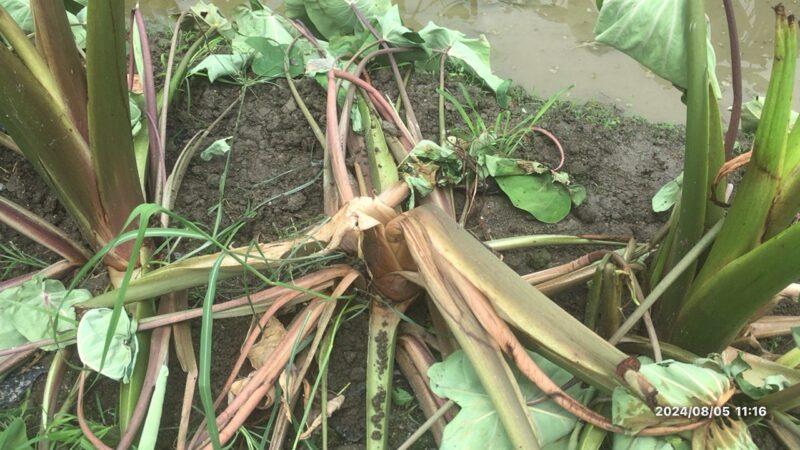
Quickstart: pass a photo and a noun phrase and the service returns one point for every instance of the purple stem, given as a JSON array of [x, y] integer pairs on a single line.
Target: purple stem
[[158, 177], [736, 72], [41, 231]]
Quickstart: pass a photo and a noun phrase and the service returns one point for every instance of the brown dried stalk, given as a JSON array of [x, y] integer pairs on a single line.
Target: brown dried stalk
[[263, 379]]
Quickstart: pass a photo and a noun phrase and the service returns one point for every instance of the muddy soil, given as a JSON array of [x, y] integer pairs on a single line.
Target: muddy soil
[[272, 187]]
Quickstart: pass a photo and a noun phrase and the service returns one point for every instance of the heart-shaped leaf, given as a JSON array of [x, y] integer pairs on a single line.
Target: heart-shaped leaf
[[540, 195], [652, 33]]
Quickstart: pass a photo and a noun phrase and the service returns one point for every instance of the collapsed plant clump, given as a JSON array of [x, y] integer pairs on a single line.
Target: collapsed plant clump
[[523, 372]]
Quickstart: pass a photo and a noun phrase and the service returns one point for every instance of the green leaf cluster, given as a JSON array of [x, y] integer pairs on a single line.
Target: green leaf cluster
[[260, 39]]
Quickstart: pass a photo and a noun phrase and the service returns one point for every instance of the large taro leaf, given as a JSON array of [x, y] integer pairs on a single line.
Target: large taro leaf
[[36, 310], [121, 356], [470, 52], [675, 384], [652, 33], [336, 17], [540, 195], [477, 426]]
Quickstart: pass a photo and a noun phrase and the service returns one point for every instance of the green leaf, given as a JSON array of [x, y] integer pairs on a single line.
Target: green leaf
[[119, 361], [37, 309], [9, 336], [391, 28], [668, 195], [269, 61], [796, 335], [212, 16], [401, 397], [469, 52], [477, 425], [738, 368], [751, 115], [15, 435], [136, 116], [577, 194], [220, 65], [675, 383], [217, 148], [296, 9], [540, 195], [498, 166], [336, 17], [652, 33], [683, 384], [262, 23], [20, 11], [429, 164]]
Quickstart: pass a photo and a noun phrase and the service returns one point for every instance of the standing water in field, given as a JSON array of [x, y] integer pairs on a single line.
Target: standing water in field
[[545, 45]]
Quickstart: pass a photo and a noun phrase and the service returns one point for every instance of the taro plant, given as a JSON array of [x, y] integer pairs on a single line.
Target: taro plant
[[70, 108], [525, 373]]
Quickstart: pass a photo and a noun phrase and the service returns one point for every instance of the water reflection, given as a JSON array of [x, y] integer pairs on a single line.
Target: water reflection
[[544, 45]]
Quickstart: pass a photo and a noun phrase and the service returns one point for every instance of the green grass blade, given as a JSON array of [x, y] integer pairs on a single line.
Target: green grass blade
[[204, 372]]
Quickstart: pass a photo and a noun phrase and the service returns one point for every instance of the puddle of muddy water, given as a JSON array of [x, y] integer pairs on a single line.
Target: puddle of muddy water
[[545, 45]]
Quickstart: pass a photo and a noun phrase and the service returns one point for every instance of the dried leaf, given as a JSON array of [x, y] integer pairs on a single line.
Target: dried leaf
[[333, 405], [239, 384], [273, 333]]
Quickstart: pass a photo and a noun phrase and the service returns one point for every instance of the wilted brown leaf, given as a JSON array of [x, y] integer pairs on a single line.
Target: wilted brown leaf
[[333, 405]]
